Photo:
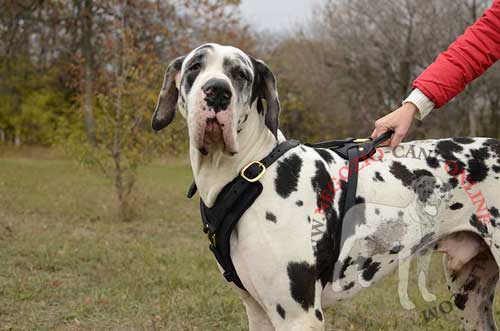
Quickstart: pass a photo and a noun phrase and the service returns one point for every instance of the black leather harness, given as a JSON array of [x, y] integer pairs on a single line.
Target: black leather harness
[[237, 196], [353, 150]]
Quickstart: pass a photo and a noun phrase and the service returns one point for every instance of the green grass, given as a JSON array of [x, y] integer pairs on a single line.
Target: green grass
[[67, 264]]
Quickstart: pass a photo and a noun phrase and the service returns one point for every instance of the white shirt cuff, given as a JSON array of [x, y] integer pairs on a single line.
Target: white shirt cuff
[[423, 103]]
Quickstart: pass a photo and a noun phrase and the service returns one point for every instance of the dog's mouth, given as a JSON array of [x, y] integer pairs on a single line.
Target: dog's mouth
[[216, 132], [213, 132]]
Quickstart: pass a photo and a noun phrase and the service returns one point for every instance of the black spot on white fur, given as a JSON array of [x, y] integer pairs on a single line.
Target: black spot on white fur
[[401, 172], [494, 212], [478, 224], [448, 148], [476, 166], [378, 177], [463, 140], [461, 300], [318, 314], [302, 283], [325, 154], [280, 311], [370, 268], [432, 162], [299, 203], [323, 186], [287, 178], [453, 182], [349, 286], [494, 146], [357, 215], [324, 254], [271, 217], [456, 206], [347, 262]]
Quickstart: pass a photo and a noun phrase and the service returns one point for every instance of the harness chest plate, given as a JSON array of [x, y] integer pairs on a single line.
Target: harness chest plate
[[231, 203]]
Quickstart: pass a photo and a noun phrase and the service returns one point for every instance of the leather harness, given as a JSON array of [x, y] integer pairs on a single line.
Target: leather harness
[[237, 196]]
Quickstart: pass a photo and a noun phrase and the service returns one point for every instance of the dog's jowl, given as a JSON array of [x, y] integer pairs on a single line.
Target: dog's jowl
[[282, 248]]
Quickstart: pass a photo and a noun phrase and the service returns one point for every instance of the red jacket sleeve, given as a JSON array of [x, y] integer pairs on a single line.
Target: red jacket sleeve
[[465, 60]]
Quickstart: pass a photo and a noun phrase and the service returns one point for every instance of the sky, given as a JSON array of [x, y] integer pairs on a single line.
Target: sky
[[276, 14]]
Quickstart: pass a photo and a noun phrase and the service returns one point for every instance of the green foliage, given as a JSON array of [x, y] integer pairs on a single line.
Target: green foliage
[[32, 103]]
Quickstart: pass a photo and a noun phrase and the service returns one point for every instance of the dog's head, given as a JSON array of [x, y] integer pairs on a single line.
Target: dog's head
[[431, 192], [215, 87]]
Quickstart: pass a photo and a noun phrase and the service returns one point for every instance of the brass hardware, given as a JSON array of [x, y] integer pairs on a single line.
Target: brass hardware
[[259, 176]]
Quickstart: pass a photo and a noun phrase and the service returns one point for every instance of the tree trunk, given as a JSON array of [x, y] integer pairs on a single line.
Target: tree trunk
[[473, 125], [121, 186], [405, 77], [17, 138], [494, 124], [405, 63], [88, 56]]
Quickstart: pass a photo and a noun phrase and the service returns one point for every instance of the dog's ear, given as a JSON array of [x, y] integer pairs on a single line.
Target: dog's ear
[[167, 101], [264, 87]]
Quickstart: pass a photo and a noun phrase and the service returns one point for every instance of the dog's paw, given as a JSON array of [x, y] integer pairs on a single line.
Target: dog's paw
[[428, 297], [407, 304]]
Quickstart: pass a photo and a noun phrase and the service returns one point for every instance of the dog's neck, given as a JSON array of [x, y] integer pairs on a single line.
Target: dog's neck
[[213, 171]]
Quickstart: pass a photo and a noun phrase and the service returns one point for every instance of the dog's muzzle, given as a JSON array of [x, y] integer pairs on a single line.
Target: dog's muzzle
[[213, 117], [218, 94]]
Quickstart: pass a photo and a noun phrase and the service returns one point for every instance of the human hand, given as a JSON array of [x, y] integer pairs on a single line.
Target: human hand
[[399, 121]]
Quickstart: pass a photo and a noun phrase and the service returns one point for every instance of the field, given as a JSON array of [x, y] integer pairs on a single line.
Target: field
[[67, 264]]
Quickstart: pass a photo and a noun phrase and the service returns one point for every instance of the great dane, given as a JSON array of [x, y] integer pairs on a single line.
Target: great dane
[[282, 247]]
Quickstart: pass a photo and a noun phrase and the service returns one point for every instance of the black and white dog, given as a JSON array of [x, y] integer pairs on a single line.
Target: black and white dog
[[282, 247]]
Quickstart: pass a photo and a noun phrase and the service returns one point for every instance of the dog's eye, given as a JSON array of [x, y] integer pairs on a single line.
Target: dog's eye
[[241, 74], [195, 67]]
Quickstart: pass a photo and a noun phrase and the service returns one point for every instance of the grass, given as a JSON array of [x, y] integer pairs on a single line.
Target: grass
[[66, 264]]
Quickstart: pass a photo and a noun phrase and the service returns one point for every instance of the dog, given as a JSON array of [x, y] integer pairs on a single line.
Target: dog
[[425, 219], [231, 105]]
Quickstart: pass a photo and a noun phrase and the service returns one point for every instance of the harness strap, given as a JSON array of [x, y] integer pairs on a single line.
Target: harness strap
[[231, 203], [352, 178], [353, 150]]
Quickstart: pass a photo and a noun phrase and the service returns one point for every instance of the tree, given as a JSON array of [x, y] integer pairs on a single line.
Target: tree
[[358, 60], [87, 49], [91, 71], [132, 36]]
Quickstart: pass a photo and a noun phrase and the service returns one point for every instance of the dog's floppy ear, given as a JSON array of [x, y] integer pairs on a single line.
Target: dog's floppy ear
[[264, 87], [167, 101]]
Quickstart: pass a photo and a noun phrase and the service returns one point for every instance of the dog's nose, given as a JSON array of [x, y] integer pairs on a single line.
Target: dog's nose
[[218, 94]]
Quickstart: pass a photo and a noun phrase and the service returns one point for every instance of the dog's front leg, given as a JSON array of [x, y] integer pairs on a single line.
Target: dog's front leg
[[404, 268], [257, 317], [423, 264]]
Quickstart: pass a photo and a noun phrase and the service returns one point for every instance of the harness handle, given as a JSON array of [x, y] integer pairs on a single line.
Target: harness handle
[[383, 137]]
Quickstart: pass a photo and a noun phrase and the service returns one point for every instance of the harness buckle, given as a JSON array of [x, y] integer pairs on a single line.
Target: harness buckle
[[361, 140], [256, 178]]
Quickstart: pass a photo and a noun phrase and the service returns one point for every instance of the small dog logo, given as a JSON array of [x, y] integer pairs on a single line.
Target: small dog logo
[[388, 233]]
